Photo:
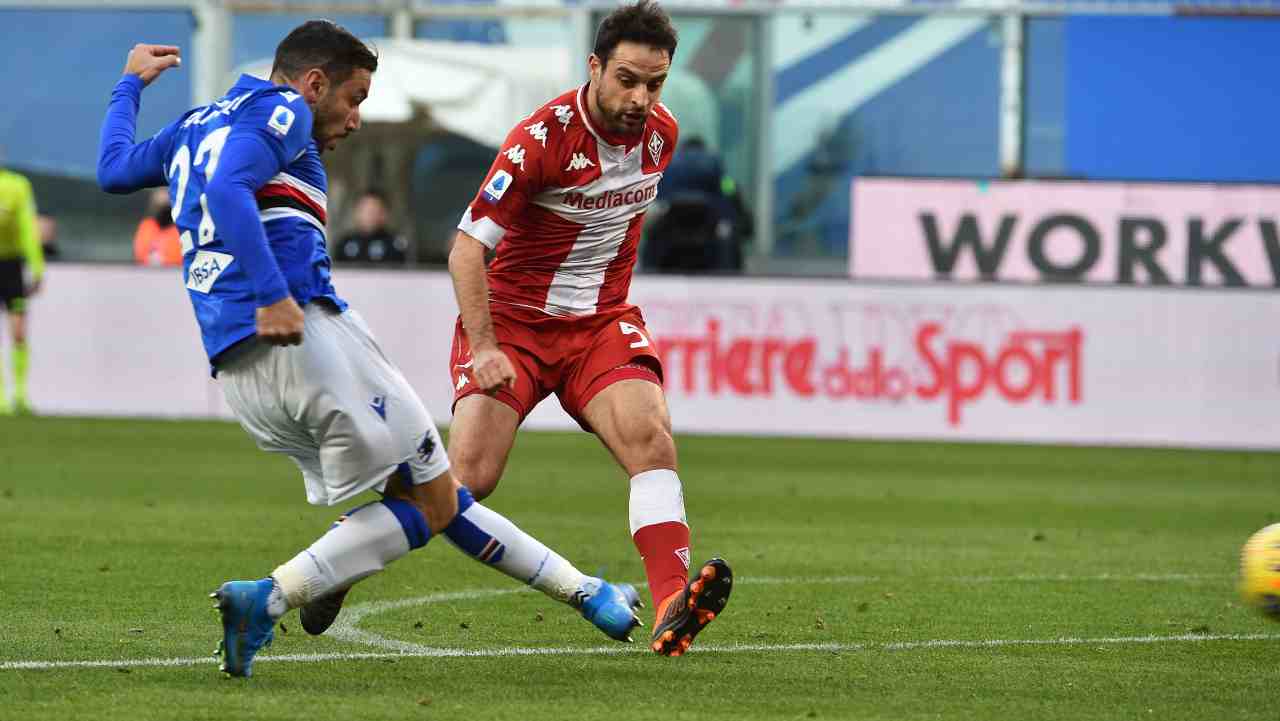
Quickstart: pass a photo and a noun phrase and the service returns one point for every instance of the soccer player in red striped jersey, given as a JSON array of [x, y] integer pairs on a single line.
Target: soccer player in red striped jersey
[[561, 208]]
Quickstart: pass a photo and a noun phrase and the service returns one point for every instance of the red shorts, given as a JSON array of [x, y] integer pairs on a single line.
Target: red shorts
[[573, 357]]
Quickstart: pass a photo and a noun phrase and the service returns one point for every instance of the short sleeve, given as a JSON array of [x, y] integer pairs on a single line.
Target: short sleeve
[[515, 177]]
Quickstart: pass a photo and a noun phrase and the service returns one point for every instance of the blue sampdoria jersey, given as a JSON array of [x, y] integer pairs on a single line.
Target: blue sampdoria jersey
[[248, 192]]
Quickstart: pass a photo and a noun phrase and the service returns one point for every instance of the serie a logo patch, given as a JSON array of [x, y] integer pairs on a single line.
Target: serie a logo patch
[[281, 120], [497, 186]]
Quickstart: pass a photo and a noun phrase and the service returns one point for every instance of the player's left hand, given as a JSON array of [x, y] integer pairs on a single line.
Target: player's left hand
[[148, 61], [35, 287]]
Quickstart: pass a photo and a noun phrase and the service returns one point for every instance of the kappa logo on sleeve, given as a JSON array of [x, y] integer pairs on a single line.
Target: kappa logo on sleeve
[[281, 120], [497, 186], [538, 131], [516, 156], [563, 114]]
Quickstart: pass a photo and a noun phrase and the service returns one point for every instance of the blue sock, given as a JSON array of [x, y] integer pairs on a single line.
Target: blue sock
[[411, 521]]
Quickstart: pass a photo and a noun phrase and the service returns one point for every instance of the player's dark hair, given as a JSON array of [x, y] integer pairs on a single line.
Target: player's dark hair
[[644, 22], [326, 45]]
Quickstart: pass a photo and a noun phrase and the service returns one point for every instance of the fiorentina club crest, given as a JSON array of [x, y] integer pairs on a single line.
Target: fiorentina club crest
[[655, 146]]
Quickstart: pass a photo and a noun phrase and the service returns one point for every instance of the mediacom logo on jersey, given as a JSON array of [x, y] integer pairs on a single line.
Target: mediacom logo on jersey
[[1021, 365], [611, 200]]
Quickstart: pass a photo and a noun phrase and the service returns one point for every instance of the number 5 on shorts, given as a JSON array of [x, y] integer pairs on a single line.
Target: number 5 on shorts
[[628, 329]]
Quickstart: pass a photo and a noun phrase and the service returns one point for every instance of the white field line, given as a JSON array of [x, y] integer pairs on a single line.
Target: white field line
[[427, 652], [346, 629]]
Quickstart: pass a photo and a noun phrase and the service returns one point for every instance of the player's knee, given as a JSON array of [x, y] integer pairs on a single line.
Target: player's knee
[[440, 512], [436, 500], [478, 471], [651, 443], [481, 485]]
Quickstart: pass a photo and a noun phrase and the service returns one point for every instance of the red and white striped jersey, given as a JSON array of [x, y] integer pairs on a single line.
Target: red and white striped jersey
[[563, 205]]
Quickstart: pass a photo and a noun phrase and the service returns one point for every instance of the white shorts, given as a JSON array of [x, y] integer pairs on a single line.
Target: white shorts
[[335, 405]]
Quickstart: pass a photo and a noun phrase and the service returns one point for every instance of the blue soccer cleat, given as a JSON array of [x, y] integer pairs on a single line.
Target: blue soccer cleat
[[609, 607], [246, 625]]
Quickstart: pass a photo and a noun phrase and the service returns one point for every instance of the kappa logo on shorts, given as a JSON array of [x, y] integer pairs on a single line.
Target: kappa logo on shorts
[[379, 406]]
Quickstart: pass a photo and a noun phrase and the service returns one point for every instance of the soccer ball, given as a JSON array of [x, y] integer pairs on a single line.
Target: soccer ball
[[1260, 571]]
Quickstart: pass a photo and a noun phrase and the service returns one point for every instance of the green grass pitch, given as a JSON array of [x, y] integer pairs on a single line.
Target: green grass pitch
[[887, 581]]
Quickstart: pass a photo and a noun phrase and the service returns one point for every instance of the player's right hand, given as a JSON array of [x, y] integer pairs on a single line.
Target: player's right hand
[[281, 322], [492, 369], [148, 61]]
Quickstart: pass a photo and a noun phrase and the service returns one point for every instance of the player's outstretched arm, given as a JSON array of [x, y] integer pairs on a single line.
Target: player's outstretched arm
[[491, 368], [124, 167]]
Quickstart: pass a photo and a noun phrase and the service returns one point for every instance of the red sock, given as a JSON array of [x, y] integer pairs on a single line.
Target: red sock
[[665, 550]]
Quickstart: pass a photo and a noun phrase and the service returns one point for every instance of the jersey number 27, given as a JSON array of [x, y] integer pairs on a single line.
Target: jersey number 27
[[207, 152]]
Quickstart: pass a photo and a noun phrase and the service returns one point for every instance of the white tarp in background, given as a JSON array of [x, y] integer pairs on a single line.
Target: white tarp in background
[[475, 90], [1069, 364]]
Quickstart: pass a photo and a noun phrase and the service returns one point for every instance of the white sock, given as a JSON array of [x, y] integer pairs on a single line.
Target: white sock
[[490, 538], [656, 497], [362, 544]]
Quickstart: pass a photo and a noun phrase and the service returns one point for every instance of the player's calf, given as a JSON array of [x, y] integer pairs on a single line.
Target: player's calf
[[491, 539]]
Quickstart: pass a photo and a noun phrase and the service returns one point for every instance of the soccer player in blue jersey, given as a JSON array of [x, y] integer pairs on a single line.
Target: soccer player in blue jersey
[[300, 370]]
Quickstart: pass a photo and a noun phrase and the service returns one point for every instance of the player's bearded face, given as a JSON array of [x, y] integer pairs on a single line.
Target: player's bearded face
[[337, 109], [628, 86]]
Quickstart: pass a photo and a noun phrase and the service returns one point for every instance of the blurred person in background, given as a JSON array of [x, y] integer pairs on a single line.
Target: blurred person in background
[[47, 226], [156, 242], [700, 224], [370, 239], [21, 270]]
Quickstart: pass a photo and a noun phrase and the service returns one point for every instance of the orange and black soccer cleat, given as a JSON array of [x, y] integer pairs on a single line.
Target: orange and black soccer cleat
[[686, 612]]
